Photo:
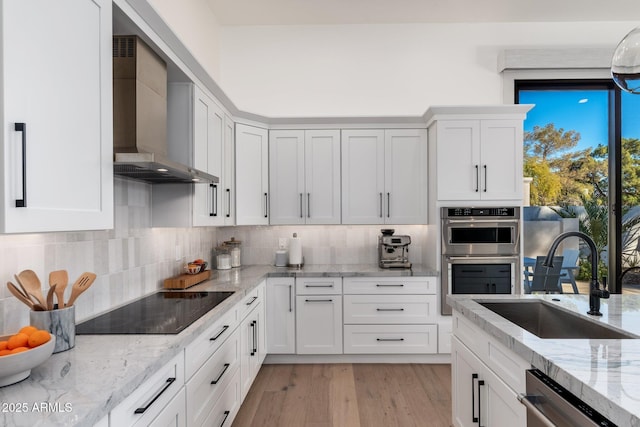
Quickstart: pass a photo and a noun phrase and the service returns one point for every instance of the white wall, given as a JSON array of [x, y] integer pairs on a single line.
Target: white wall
[[195, 24], [370, 70]]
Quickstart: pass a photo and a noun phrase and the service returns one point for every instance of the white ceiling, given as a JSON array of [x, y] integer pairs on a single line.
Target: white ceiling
[[310, 12]]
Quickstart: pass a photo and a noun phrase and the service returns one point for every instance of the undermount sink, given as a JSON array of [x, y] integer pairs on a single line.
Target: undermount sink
[[546, 321]]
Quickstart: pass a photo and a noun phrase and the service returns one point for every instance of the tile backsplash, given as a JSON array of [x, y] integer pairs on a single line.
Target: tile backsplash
[[133, 259]]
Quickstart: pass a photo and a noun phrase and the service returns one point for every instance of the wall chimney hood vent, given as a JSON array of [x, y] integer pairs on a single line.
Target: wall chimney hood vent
[[140, 117]]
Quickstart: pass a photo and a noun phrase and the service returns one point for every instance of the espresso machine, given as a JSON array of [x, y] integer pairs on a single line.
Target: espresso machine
[[393, 251]]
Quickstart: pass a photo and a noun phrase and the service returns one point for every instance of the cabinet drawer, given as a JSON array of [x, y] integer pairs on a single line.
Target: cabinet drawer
[[204, 389], [251, 300], [384, 309], [152, 396], [390, 285], [209, 341], [227, 405], [319, 286], [390, 339]]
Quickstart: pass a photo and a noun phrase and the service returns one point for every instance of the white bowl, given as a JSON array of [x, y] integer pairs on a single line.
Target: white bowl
[[16, 367]]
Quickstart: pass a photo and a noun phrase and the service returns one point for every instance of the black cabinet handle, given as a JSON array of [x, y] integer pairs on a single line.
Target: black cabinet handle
[[308, 205], [318, 286], [166, 386], [228, 202], [22, 127], [389, 309], [252, 300], [224, 328], [388, 205], [380, 205], [474, 377], [480, 384], [485, 178], [214, 200], [226, 366], [254, 338], [389, 339], [290, 297], [477, 179], [224, 420], [301, 205], [318, 300], [266, 205], [382, 285]]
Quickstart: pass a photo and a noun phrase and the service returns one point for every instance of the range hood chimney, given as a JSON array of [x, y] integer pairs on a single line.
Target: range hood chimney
[[140, 117]]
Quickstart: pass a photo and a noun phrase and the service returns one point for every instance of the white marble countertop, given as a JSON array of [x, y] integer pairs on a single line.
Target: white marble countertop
[[605, 374], [80, 386]]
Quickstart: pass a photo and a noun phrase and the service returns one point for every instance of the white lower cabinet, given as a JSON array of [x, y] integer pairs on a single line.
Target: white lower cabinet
[[227, 405], [319, 315], [280, 312], [390, 339], [174, 414], [151, 401], [252, 338], [486, 379]]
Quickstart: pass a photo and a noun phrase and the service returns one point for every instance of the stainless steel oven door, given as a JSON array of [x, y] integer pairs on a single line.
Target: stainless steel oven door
[[477, 275], [480, 237]]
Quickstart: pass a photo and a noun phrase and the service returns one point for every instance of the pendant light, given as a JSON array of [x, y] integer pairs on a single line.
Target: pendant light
[[625, 66]]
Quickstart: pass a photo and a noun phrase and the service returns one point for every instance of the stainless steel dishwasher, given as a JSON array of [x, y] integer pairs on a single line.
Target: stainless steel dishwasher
[[551, 405]]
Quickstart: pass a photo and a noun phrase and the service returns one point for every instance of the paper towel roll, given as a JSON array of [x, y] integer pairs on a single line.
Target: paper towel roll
[[295, 250]]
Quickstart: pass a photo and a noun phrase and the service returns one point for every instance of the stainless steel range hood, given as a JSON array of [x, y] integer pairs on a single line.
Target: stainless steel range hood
[[140, 117]]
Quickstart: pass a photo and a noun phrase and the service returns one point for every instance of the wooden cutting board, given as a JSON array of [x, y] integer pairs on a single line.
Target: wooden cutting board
[[185, 281]]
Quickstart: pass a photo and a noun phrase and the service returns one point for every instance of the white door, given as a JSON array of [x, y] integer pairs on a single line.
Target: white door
[[322, 177], [501, 159], [319, 324], [405, 178], [458, 159], [229, 167], [252, 175], [362, 176], [286, 177], [499, 403], [465, 374], [281, 315], [56, 98]]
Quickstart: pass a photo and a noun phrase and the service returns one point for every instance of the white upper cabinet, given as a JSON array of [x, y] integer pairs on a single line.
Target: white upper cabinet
[[57, 142], [196, 132], [304, 176], [384, 176], [478, 152], [252, 175]]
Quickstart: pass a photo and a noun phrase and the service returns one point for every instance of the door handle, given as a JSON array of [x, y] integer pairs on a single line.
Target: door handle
[[300, 205], [477, 179], [228, 190], [214, 200], [266, 204], [143, 409], [22, 127], [485, 178], [474, 377], [290, 298], [480, 384], [388, 205], [308, 205], [380, 205], [226, 366]]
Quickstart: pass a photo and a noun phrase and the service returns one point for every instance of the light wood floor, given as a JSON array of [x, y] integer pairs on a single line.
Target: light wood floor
[[349, 395]]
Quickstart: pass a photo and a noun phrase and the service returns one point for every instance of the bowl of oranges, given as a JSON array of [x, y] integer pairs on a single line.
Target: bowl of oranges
[[22, 351]]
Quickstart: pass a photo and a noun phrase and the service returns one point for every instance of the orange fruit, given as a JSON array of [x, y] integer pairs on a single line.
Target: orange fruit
[[19, 350], [18, 340], [3, 345], [28, 329], [39, 337], [4, 352]]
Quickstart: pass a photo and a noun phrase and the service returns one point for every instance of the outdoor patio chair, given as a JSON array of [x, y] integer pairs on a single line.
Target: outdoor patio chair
[[569, 267], [545, 279]]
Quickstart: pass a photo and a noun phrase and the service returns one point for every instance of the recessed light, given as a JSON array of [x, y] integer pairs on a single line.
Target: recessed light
[[162, 170], [583, 101], [195, 179]]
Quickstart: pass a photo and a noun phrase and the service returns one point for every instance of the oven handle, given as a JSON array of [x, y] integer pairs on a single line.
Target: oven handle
[[497, 222], [534, 411]]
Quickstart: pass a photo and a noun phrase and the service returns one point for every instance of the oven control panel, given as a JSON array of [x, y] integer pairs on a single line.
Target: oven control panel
[[480, 212]]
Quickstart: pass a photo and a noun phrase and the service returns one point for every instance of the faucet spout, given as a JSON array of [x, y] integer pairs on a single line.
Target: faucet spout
[[595, 293]]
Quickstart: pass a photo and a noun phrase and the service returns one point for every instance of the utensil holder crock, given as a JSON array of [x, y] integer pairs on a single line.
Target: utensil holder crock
[[59, 322]]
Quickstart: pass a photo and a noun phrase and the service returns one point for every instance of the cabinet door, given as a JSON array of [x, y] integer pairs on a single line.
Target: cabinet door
[[501, 159], [229, 168], [362, 176], [174, 414], [252, 175], [465, 373], [280, 316], [405, 177], [322, 176], [286, 177], [252, 347], [56, 100], [319, 324], [458, 159], [499, 404]]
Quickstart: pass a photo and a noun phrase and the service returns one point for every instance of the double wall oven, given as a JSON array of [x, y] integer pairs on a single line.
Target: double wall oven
[[480, 251]]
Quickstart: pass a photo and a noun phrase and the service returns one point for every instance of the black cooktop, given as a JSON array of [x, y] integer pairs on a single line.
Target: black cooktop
[[164, 312]]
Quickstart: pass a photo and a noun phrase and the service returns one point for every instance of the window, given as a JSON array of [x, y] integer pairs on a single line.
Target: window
[[582, 151]]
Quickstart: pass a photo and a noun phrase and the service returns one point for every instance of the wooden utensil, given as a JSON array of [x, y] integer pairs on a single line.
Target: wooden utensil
[[50, 294], [24, 291], [59, 279], [80, 285], [18, 294], [31, 283]]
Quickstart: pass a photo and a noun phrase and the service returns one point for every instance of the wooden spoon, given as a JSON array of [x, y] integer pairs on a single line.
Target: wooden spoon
[[31, 283], [16, 293], [59, 279], [81, 285], [50, 293]]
